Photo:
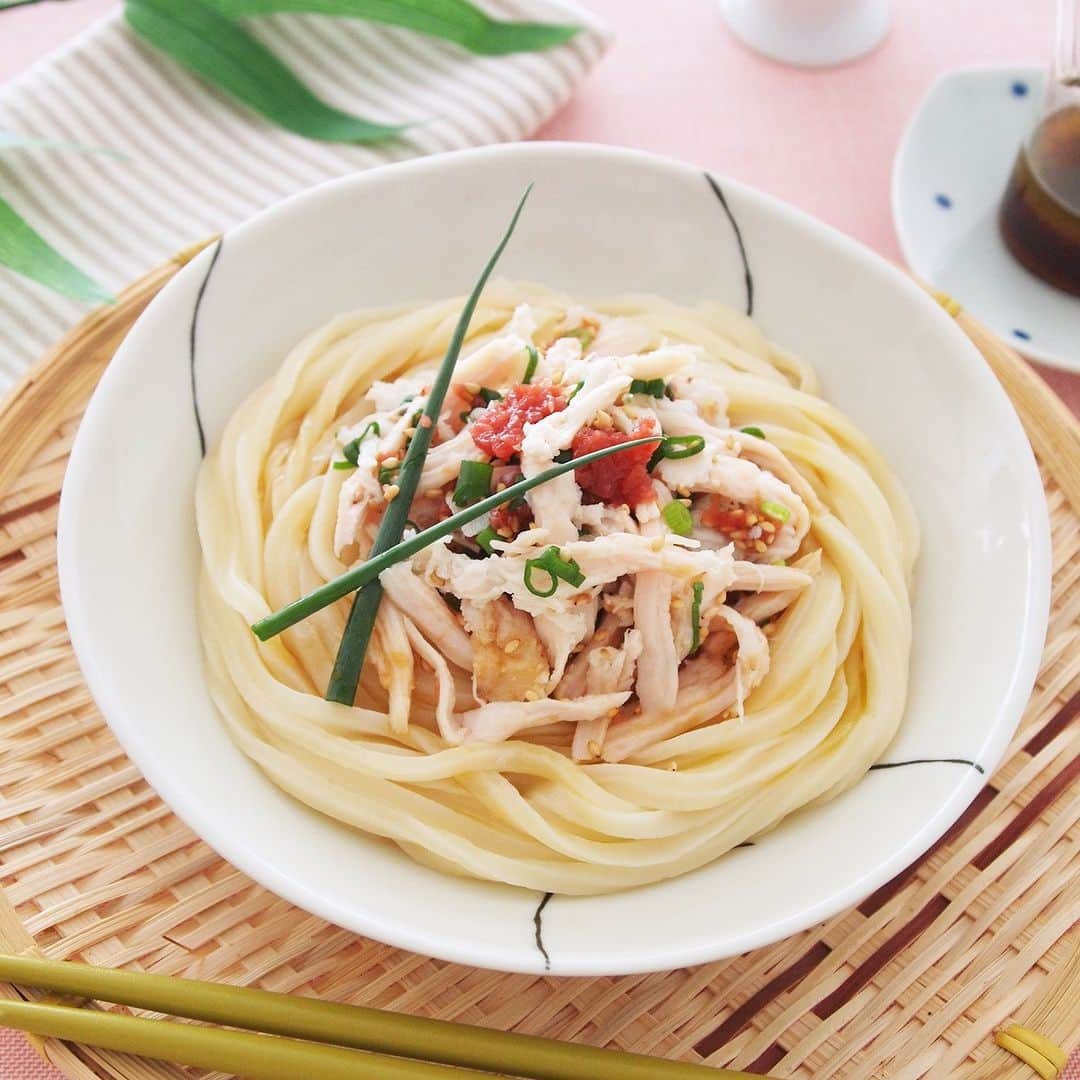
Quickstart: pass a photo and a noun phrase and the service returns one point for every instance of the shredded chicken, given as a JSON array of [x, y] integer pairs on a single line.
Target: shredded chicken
[[626, 599], [509, 662]]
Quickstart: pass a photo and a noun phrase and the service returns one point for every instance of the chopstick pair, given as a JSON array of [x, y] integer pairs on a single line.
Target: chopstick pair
[[284, 1037]]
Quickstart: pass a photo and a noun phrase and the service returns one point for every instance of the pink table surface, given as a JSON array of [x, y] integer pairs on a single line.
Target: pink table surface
[[677, 82]]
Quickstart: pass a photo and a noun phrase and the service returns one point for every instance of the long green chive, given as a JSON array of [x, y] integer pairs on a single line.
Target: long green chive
[[755, 431], [360, 576], [556, 567], [530, 367], [678, 518], [490, 395], [695, 616], [473, 482], [484, 538], [351, 450], [652, 387], [777, 511], [354, 642]]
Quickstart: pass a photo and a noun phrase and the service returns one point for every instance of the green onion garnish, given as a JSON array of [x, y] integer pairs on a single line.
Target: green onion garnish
[[490, 395], [676, 446], [388, 475], [351, 450], [349, 661], [682, 446], [755, 431], [564, 455], [360, 576], [584, 334], [678, 518], [484, 538], [530, 367], [574, 392], [473, 483], [556, 567], [695, 617], [652, 387], [775, 510]]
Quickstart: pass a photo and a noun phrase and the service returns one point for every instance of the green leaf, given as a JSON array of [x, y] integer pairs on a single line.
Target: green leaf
[[25, 252], [454, 20], [12, 140], [226, 55]]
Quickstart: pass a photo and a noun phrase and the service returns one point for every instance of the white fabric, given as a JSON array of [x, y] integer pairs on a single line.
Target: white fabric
[[198, 163]]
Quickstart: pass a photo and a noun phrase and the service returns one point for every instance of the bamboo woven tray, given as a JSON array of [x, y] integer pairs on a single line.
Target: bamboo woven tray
[[910, 983]]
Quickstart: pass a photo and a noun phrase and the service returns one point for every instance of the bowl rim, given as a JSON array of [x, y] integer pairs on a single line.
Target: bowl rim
[[641, 957]]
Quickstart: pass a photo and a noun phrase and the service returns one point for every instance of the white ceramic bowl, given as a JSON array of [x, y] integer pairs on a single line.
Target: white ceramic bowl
[[600, 220]]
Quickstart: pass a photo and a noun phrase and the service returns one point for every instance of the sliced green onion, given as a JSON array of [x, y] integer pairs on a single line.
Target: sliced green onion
[[584, 334], [682, 446], [388, 476], [351, 450], [652, 387], [777, 511], [678, 518], [564, 455], [484, 538], [473, 483], [676, 446], [556, 567], [574, 392], [349, 661], [530, 367], [755, 431], [490, 395], [695, 616], [531, 566], [368, 571]]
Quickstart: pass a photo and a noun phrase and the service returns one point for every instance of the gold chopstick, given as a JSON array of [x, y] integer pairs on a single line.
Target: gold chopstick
[[260, 1057], [344, 1026]]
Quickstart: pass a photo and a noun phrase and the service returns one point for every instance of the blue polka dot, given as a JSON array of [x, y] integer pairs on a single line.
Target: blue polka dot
[[943, 201], [1019, 89], [1023, 335]]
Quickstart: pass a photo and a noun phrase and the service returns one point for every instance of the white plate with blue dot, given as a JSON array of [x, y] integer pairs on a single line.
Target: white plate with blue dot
[[948, 178]]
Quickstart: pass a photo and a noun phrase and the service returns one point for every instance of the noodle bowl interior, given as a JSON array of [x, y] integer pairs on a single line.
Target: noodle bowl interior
[[608, 681]]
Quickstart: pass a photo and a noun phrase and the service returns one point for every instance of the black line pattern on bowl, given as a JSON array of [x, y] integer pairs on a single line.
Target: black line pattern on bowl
[[538, 929], [194, 330], [929, 761], [747, 275]]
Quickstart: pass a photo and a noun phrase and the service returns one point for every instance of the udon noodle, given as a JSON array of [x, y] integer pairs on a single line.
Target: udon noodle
[[609, 683]]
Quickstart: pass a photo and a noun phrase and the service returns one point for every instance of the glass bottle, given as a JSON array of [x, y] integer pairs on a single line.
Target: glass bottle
[[1040, 213]]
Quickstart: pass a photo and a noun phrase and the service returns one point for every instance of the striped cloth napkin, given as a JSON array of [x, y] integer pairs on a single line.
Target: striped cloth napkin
[[196, 163]]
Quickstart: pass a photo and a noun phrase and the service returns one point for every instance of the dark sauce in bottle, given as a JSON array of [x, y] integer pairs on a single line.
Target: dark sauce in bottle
[[1040, 214]]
